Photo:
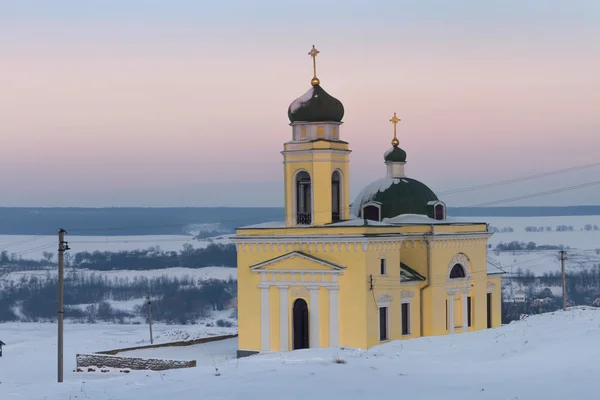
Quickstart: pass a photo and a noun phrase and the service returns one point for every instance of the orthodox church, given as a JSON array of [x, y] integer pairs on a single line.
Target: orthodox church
[[389, 266]]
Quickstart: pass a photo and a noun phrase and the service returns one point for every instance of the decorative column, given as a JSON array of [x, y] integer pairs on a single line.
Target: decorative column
[[465, 313], [334, 321], [283, 319], [451, 312], [313, 317], [265, 314]]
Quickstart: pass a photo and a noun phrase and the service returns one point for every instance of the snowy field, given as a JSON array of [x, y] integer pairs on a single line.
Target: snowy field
[[33, 247], [30, 352], [582, 253], [223, 273], [583, 244], [548, 356]]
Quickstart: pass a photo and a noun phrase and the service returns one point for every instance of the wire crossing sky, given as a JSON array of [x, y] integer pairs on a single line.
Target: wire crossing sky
[[183, 103]]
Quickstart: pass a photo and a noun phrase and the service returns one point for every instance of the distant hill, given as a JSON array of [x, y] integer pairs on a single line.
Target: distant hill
[[198, 220]]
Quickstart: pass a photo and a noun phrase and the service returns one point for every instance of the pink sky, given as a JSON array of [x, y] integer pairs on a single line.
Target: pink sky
[[153, 113]]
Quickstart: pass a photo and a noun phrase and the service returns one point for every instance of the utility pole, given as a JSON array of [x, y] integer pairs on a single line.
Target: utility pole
[[564, 280], [62, 247], [149, 318]]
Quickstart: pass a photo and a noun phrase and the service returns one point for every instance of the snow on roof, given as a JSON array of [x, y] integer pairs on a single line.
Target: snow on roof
[[266, 225], [302, 100], [420, 219], [359, 222], [371, 189], [403, 219]]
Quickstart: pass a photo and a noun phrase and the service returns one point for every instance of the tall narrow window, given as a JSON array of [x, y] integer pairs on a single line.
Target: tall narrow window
[[382, 267], [447, 325], [335, 196], [489, 310], [303, 199], [406, 318], [383, 323], [469, 312]]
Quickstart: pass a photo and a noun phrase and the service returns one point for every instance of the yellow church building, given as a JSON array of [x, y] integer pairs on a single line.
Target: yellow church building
[[389, 266]]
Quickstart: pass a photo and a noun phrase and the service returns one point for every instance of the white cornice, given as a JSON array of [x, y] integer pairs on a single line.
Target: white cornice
[[391, 237]]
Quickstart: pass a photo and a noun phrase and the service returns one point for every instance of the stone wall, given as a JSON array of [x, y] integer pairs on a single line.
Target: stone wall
[[134, 363], [170, 344]]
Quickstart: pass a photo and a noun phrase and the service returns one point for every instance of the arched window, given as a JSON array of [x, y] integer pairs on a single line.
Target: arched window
[[335, 196], [439, 211], [458, 271], [303, 199]]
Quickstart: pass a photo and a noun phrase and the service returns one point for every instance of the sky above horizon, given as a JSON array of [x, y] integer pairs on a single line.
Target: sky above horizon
[[184, 103]]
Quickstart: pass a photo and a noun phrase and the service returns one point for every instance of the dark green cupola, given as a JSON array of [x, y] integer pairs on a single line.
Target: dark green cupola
[[316, 105], [395, 194]]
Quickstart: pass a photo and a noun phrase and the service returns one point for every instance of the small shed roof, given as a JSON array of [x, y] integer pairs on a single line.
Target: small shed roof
[[2, 343]]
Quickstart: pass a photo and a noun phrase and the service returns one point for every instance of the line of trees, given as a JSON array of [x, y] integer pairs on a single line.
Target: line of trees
[[179, 300], [516, 245], [215, 254]]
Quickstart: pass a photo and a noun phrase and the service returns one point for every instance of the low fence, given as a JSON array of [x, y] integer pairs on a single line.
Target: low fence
[[169, 344], [109, 358], [133, 363]]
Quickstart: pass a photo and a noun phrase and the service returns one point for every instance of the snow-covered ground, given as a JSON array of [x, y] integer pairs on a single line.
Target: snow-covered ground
[[30, 351], [33, 247], [549, 356], [583, 244]]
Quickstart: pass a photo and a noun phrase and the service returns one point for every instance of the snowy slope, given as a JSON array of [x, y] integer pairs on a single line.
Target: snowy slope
[[549, 356]]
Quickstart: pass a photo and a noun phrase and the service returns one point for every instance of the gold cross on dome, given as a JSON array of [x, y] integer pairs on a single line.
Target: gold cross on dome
[[395, 121], [313, 53]]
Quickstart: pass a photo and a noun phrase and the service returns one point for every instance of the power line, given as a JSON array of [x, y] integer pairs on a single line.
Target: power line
[[539, 194], [522, 179]]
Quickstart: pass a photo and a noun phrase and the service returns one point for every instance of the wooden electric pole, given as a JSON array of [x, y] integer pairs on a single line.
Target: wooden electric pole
[[62, 247], [150, 318], [564, 280]]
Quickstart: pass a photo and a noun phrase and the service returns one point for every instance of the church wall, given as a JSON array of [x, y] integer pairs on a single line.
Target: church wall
[[389, 287], [322, 193], [249, 300], [478, 227], [442, 253], [414, 254], [496, 291], [351, 296]]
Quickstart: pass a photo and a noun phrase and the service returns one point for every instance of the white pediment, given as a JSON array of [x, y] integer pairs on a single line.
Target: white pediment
[[291, 261]]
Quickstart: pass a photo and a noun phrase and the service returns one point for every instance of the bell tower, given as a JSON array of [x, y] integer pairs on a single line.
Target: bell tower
[[316, 160]]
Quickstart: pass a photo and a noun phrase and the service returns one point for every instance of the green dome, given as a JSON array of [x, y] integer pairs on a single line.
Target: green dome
[[395, 154], [316, 105], [396, 196]]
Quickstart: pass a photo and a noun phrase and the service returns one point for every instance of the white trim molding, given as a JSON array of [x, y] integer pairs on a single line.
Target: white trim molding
[[406, 296], [454, 285], [334, 324], [284, 319], [293, 255], [321, 243], [490, 287], [384, 300], [313, 316], [265, 315]]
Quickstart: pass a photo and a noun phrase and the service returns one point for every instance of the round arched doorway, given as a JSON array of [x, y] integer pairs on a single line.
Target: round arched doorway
[[300, 324]]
